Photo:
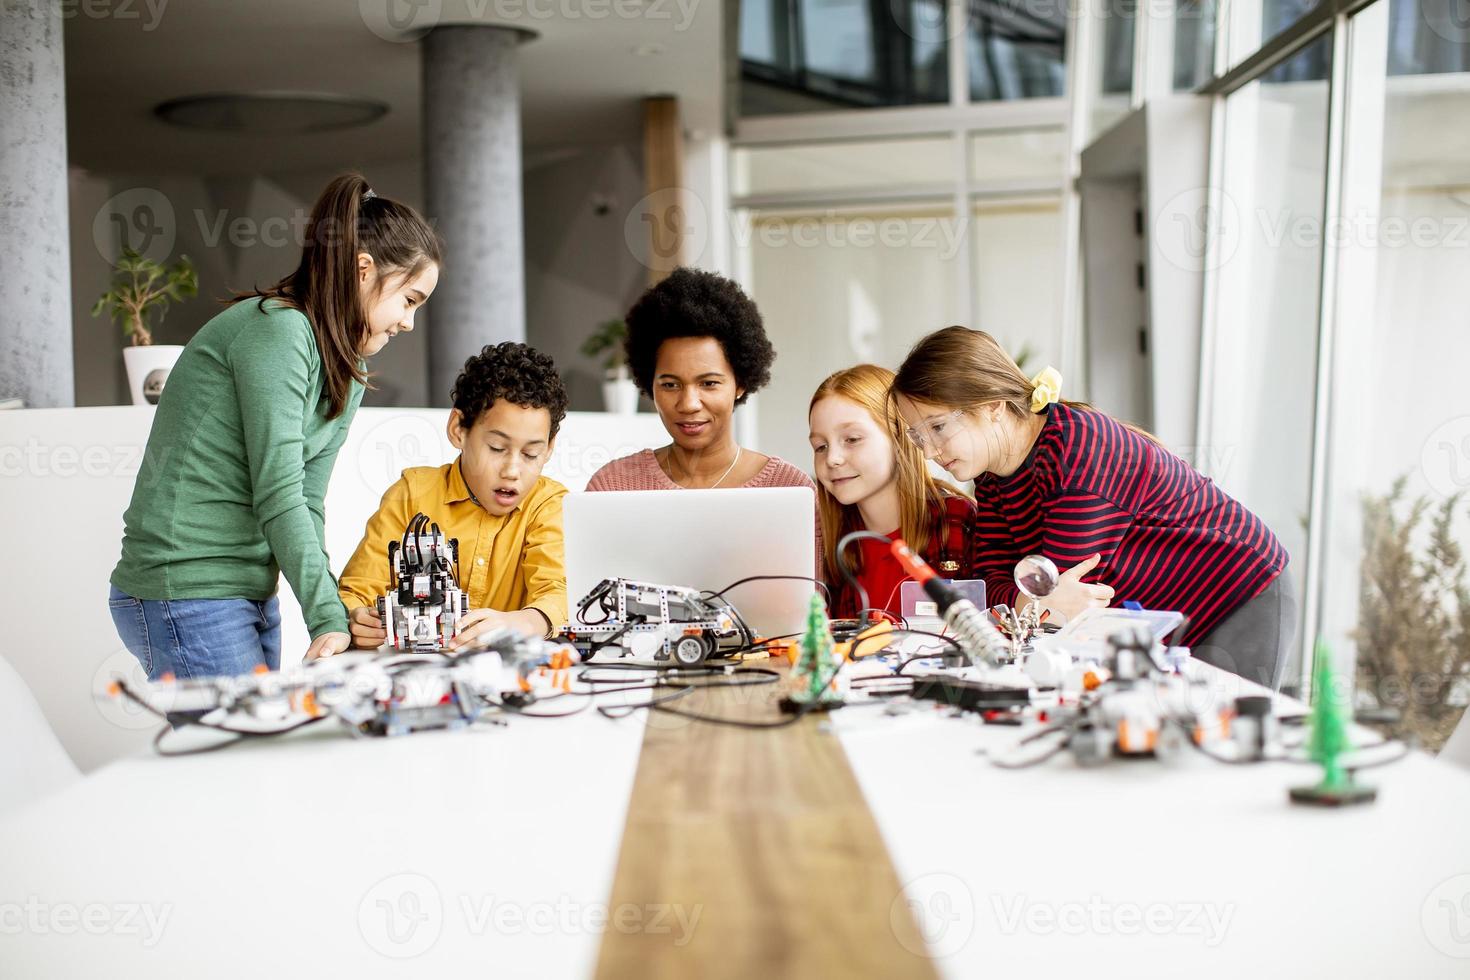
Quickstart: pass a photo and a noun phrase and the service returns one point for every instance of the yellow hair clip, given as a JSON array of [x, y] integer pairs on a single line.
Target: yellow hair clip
[[1046, 389]]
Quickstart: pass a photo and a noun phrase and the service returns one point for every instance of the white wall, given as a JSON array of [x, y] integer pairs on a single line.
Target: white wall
[[840, 288], [239, 233], [580, 267]]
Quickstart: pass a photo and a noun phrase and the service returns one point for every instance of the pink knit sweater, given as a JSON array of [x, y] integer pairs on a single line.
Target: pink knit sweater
[[641, 471]]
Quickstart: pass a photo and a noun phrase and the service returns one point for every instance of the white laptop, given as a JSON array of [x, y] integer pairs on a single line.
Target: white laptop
[[702, 539]]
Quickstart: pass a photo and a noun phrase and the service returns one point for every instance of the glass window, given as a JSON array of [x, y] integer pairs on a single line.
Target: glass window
[[843, 166], [837, 288], [816, 55], [1194, 43], [1112, 86], [764, 33], [1396, 589], [1015, 49], [1266, 244], [1253, 23]]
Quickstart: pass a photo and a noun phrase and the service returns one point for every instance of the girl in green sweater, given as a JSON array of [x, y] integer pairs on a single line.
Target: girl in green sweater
[[230, 492]]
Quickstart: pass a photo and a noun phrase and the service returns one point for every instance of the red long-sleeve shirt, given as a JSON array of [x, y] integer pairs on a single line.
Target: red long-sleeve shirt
[[1169, 537]]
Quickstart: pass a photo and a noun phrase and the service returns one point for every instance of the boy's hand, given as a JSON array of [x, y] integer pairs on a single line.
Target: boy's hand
[[367, 629], [480, 621]]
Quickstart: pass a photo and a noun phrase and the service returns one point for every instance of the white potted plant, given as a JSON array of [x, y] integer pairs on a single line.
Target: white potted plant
[[619, 393], [141, 287]]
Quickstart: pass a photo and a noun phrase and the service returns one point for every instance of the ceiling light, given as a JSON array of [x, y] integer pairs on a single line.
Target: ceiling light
[[271, 113]]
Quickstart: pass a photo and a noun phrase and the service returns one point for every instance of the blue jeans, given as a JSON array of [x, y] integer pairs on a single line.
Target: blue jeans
[[198, 637]]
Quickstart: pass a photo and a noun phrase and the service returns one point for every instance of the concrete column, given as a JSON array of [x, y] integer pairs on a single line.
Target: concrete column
[[35, 254], [472, 185]]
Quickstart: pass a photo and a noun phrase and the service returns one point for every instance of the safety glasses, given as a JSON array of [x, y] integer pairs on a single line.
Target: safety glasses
[[932, 433]]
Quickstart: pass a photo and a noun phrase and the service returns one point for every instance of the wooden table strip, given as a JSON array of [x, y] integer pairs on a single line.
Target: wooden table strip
[[766, 838]]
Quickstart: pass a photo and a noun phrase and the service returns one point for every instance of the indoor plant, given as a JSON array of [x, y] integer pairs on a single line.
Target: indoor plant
[[1413, 630], [140, 288], [619, 394]]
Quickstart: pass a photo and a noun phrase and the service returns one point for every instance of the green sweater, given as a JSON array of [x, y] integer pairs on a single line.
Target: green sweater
[[231, 487]]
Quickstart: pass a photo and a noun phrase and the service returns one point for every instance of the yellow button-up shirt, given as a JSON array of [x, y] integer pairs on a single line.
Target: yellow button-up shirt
[[507, 563]]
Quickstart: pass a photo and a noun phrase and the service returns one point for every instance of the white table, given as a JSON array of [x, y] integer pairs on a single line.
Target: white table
[[485, 853], [1142, 869], [492, 853]]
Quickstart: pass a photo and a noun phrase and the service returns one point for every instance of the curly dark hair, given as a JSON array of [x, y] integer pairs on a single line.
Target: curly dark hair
[[695, 303], [519, 374]]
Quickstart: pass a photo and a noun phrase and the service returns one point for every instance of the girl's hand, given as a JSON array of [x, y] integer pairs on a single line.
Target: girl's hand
[[1073, 596], [327, 645], [367, 629]]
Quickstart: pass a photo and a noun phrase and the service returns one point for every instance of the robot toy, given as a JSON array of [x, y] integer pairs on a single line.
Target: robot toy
[[424, 603], [370, 693], [660, 622]]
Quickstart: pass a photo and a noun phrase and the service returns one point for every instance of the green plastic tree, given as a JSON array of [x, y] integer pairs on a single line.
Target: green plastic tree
[[815, 665], [1330, 719], [140, 286], [1330, 737]]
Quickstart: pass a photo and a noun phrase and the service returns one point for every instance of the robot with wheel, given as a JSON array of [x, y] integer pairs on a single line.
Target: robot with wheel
[[657, 622]]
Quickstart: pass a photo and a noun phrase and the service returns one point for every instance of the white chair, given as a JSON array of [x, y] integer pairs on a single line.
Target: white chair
[[32, 762], [1457, 749]]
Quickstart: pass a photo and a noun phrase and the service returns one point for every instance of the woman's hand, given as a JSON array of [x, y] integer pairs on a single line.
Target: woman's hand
[[1072, 596], [327, 645], [367, 629]]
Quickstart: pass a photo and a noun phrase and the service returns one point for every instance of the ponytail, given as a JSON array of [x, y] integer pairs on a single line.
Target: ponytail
[[348, 219]]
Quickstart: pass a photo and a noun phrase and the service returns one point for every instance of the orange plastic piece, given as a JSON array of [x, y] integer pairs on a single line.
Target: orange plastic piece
[[167, 675], [1090, 681], [867, 647], [113, 689], [309, 705], [261, 669]]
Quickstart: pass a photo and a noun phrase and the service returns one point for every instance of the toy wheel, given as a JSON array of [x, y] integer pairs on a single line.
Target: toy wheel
[[689, 650]]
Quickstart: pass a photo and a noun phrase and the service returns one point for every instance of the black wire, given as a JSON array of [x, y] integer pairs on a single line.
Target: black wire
[[1067, 731], [826, 592], [681, 690], [959, 650], [758, 675], [846, 569]]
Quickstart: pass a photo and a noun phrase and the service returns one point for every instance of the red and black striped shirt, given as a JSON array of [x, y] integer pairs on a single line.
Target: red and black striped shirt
[[1169, 538]]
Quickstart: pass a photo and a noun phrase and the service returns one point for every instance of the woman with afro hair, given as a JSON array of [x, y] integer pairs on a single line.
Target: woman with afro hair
[[696, 345]]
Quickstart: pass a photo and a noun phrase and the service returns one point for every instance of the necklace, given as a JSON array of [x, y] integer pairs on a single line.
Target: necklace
[[728, 470]]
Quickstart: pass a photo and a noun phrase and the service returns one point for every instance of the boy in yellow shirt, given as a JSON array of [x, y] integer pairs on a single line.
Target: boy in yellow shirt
[[508, 404]]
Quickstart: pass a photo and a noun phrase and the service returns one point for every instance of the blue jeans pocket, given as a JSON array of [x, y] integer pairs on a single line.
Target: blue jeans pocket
[[132, 626]]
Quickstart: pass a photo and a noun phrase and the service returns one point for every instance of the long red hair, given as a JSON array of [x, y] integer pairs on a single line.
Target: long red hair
[[919, 492]]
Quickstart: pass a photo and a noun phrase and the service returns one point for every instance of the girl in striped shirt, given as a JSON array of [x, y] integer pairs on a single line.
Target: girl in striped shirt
[[1125, 517]]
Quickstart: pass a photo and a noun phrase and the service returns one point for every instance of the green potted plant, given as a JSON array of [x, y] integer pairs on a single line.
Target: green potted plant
[[140, 288], [619, 394]]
